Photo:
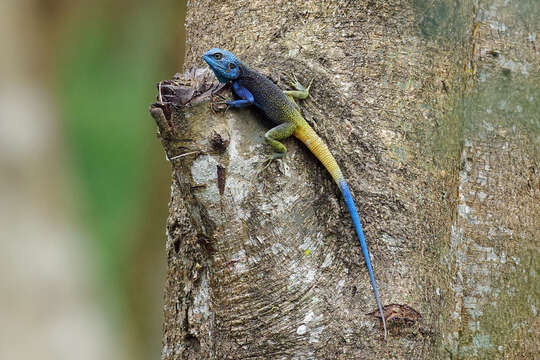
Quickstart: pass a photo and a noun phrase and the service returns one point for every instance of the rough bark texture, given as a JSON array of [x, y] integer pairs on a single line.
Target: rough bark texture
[[446, 180]]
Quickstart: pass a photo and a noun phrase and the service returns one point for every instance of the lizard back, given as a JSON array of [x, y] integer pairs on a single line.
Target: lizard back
[[268, 96]]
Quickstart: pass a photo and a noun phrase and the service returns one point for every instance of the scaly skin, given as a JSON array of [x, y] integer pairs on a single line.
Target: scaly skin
[[255, 89]]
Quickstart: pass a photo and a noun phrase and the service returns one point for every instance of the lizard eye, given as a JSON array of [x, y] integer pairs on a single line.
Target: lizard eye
[[218, 56], [231, 66]]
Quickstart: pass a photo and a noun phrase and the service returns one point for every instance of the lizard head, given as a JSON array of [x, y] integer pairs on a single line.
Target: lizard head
[[224, 64]]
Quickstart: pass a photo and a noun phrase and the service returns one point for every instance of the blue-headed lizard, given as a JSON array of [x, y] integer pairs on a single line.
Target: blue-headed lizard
[[255, 89]]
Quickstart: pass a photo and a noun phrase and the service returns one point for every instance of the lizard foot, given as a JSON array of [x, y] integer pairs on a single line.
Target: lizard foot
[[299, 92], [222, 104], [266, 163], [294, 83]]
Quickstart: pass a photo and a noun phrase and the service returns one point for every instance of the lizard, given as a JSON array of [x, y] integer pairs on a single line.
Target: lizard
[[279, 106]]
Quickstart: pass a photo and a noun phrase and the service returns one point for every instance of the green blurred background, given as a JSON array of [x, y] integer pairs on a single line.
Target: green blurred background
[[83, 179]]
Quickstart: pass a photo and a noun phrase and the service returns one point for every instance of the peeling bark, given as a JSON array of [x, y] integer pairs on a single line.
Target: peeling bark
[[268, 266]]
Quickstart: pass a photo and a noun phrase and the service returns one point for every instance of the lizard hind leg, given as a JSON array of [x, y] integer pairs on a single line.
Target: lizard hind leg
[[273, 136]]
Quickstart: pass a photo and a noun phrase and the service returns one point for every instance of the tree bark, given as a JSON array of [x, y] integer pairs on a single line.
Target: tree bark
[[408, 99]]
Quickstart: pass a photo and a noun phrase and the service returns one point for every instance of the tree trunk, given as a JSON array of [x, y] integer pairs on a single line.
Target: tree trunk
[[438, 138]]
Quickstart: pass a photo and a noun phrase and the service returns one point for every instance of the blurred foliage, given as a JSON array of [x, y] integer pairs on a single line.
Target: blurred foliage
[[110, 55]]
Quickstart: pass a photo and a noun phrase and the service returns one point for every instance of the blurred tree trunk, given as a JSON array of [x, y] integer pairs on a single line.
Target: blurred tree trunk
[[415, 100]]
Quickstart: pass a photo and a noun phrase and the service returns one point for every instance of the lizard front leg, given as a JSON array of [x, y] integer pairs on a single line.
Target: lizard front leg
[[247, 97]]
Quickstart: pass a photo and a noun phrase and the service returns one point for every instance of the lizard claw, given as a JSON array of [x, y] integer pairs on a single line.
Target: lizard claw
[[218, 105], [266, 163], [292, 80], [299, 92]]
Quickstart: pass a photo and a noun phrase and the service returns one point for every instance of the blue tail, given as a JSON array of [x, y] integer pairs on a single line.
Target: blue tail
[[358, 227]]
